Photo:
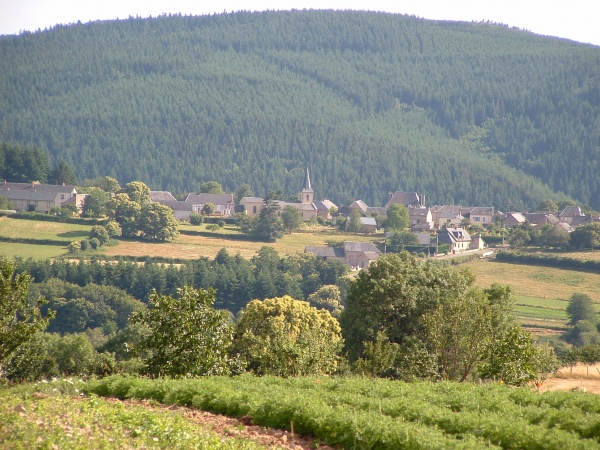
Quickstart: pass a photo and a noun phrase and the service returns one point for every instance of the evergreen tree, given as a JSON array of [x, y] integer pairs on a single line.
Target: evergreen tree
[[63, 174]]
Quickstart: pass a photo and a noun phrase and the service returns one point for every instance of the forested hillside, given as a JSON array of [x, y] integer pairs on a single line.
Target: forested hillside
[[467, 113]]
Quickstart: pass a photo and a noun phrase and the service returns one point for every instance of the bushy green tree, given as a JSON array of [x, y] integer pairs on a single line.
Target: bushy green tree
[[137, 192], [5, 203], [400, 239], [211, 187], [586, 236], [20, 318], [113, 229], [553, 236], [126, 213], [328, 297], [157, 222], [208, 209], [354, 222], [292, 218], [196, 219], [243, 190], [581, 307], [99, 232], [187, 337], [547, 205], [95, 203], [391, 297], [287, 337], [511, 359], [397, 217]]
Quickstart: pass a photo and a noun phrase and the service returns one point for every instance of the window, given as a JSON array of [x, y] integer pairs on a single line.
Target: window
[[254, 209], [476, 219], [62, 196], [483, 219]]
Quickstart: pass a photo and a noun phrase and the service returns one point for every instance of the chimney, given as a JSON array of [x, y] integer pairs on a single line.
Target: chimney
[[390, 195]]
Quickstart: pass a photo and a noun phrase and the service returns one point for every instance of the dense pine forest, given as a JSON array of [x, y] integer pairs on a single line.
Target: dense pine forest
[[468, 113]]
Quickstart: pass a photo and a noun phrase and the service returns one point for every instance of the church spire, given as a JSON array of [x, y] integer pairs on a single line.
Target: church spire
[[306, 195], [307, 187]]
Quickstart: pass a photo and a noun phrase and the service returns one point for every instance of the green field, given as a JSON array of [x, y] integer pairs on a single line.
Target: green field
[[12, 250], [541, 293], [34, 229], [364, 413], [54, 417]]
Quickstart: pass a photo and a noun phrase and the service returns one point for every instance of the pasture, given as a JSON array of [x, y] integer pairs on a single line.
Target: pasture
[[541, 293]]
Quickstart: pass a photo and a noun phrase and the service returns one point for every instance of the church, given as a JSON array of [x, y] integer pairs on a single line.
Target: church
[[308, 207]]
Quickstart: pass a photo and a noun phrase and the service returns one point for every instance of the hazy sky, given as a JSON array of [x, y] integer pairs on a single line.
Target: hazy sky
[[578, 20]]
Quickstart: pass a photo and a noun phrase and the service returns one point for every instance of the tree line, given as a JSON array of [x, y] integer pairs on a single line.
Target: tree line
[[403, 318]]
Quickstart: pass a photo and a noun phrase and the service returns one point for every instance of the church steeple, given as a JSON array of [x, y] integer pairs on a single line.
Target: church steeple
[[306, 195]]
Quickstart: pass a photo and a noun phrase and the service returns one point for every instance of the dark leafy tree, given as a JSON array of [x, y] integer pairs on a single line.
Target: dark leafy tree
[[95, 203], [211, 187], [292, 218], [581, 307], [20, 319], [397, 217], [188, 337]]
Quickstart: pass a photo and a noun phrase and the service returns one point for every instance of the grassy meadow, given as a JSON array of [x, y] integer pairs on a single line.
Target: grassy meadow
[[541, 293], [34, 229]]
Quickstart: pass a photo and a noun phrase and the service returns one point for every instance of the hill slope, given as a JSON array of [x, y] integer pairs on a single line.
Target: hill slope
[[371, 102]]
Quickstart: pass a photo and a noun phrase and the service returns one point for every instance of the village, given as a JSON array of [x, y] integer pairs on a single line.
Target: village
[[432, 225]]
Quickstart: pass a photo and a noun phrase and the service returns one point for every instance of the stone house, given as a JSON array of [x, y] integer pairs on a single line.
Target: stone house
[[224, 204], [458, 239], [40, 197]]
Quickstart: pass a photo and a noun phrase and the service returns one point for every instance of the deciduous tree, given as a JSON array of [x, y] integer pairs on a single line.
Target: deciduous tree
[[287, 337], [292, 218], [188, 337], [157, 222], [397, 217], [20, 319]]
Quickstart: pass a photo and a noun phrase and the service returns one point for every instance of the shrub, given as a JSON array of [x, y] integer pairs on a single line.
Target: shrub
[[196, 219]]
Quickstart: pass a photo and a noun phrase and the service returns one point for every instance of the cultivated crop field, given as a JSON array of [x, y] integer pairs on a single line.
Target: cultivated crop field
[[55, 415], [376, 413]]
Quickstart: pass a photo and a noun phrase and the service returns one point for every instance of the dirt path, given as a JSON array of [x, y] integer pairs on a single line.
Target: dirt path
[[241, 428]]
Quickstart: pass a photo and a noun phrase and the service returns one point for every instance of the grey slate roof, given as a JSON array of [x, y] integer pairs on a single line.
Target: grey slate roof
[[571, 211], [404, 198], [368, 221], [162, 196], [350, 246], [203, 198], [55, 188], [178, 206], [326, 252]]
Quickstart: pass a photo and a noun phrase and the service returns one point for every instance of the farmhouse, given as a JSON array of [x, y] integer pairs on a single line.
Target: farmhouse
[[40, 197], [358, 255]]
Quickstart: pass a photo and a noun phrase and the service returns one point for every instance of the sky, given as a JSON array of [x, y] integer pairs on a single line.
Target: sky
[[578, 20]]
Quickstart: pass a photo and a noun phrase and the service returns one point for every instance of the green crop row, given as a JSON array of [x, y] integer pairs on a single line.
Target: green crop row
[[367, 413], [48, 416]]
